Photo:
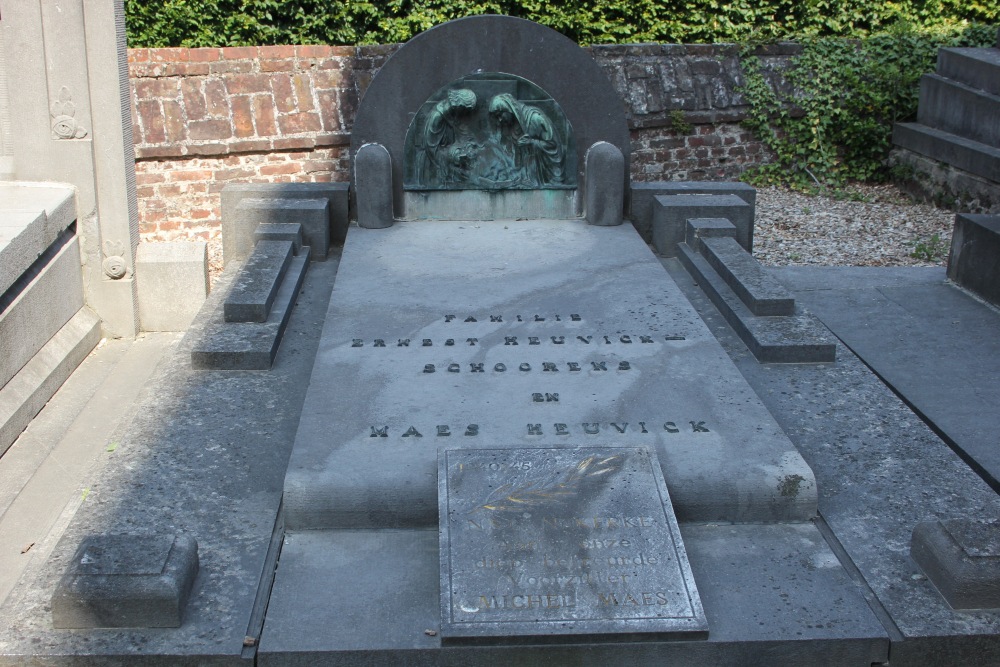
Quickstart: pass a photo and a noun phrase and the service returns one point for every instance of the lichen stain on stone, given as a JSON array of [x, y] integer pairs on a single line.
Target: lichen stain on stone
[[789, 485]]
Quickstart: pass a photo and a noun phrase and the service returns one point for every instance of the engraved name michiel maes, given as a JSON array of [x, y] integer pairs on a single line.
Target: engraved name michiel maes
[[538, 553]]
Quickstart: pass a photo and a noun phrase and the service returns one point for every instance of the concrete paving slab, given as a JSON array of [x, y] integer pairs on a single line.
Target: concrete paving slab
[[776, 595], [181, 468], [880, 471], [930, 341]]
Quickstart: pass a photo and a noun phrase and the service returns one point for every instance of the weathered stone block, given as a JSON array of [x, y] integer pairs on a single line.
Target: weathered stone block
[[312, 214], [237, 240], [704, 228], [280, 231], [127, 581], [962, 558], [974, 262], [641, 197], [671, 213], [257, 283], [172, 283]]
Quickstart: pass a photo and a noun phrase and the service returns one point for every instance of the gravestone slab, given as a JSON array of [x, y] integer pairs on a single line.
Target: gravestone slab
[[574, 543], [962, 558], [532, 333]]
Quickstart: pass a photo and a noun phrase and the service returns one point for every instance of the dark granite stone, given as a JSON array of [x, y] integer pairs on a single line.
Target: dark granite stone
[[641, 197], [280, 231], [237, 230], [961, 558], [794, 339], [572, 543], [974, 262], [312, 214], [448, 52], [127, 581], [605, 196], [671, 213], [703, 228], [222, 345], [373, 186], [257, 284], [761, 293]]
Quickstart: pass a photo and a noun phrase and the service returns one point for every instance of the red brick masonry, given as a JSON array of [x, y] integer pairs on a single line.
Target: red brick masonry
[[206, 117]]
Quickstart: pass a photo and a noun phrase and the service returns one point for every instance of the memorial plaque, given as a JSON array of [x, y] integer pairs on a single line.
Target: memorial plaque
[[543, 545]]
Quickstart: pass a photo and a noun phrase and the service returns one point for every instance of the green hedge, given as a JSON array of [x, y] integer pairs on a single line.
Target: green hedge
[[157, 23]]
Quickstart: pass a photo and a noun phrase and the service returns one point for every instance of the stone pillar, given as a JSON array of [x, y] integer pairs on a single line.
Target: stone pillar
[[373, 185], [604, 185], [70, 121]]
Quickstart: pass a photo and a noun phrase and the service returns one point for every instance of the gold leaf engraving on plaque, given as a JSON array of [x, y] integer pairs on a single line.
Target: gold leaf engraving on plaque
[[558, 486]]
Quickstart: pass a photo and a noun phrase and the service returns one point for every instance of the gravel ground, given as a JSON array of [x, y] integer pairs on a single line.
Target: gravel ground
[[868, 226], [865, 226]]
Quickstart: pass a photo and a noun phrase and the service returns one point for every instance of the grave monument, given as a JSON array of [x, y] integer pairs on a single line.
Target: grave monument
[[512, 405], [501, 430]]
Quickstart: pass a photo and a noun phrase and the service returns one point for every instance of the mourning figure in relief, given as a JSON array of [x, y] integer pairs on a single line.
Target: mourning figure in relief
[[443, 158], [526, 135]]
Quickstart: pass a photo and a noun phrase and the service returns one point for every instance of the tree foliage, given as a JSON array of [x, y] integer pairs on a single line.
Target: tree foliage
[[191, 23]]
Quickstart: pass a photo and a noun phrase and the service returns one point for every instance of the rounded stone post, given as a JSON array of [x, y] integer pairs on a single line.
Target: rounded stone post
[[604, 184], [373, 186]]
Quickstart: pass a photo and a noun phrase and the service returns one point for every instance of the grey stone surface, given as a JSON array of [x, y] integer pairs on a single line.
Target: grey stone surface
[[974, 261], [704, 228], [180, 468], [173, 283], [70, 122], [418, 285], [487, 205], [971, 156], [641, 197], [32, 216], [977, 68], [41, 308], [257, 283], [863, 442], [671, 213], [223, 345], [773, 594], [127, 581], [373, 189], [237, 240], [605, 193], [280, 231], [24, 394], [488, 44], [962, 560], [929, 341], [761, 293], [959, 109], [543, 545], [792, 339], [312, 214]]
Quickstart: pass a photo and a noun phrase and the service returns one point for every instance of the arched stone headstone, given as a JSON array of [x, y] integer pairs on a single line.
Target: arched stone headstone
[[483, 48]]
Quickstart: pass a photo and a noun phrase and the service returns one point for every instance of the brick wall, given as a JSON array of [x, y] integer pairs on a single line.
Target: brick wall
[[206, 117]]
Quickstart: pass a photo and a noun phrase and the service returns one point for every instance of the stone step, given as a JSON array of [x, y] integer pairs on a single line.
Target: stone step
[[975, 247], [257, 282], [795, 338], [972, 156], [280, 231], [761, 293], [976, 68], [959, 109], [223, 345]]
